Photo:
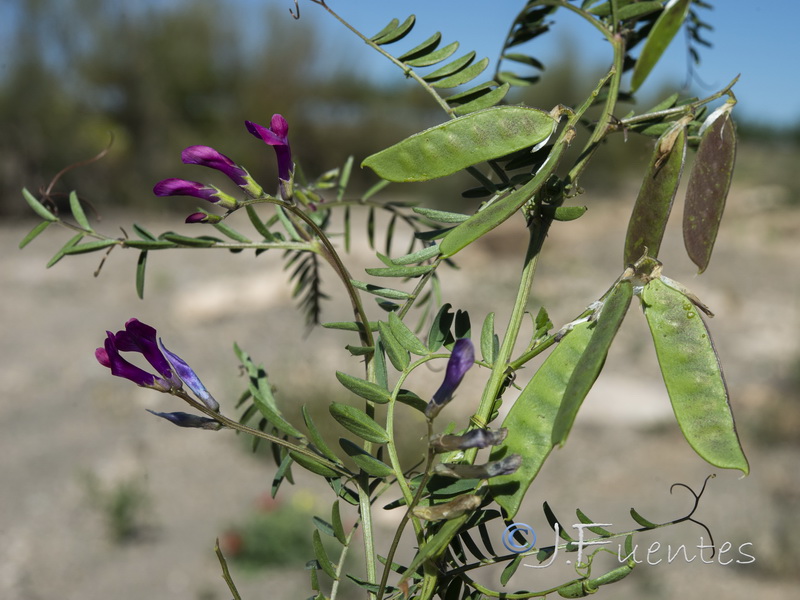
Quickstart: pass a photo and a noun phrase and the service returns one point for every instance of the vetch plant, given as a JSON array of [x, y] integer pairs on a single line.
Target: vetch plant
[[517, 155]]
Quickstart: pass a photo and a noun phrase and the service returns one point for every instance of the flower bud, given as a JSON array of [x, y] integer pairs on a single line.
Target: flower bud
[[461, 359], [184, 187], [182, 419]]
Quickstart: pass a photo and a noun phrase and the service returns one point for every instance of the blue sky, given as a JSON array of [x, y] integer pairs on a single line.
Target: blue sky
[[755, 39]]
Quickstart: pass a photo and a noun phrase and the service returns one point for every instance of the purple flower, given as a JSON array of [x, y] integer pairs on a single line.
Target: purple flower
[[182, 419], [206, 156], [190, 378], [141, 338], [461, 359], [276, 135], [201, 217], [183, 187], [172, 370]]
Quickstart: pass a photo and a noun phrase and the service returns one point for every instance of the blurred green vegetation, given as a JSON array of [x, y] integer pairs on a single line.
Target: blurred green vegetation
[[163, 76]]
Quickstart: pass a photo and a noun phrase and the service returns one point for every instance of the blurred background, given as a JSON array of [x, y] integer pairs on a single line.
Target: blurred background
[[100, 500]]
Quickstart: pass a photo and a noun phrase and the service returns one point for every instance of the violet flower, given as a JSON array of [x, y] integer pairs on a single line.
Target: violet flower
[[461, 359], [206, 156], [184, 187], [141, 338], [182, 419], [201, 217], [172, 370], [190, 378], [276, 135]]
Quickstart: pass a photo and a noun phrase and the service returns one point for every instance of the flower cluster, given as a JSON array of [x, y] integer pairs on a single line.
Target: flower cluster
[[171, 370], [276, 136]]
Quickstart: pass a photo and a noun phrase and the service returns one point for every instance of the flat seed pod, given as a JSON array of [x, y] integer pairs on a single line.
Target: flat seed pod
[[693, 376], [707, 190], [592, 359], [654, 202], [462, 142], [530, 420]]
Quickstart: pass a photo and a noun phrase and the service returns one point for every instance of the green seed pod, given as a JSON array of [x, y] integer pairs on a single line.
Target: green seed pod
[[654, 202], [573, 589], [462, 142], [612, 576], [530, 420], [693, 376], [591, 361]]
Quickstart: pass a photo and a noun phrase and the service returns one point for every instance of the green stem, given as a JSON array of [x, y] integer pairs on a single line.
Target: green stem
[[423, 281], [601, 128], [302, 246], [537, 232], [341, 270], [226, 575], [230, 423], [365, 512], [340, 564], [669, 112], [513, 596], [406, 518]]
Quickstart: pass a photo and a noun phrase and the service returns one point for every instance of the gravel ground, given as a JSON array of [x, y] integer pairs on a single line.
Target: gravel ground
[[64, 421]]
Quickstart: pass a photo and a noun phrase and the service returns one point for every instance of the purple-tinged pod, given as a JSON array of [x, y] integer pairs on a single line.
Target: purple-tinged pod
[[707, 190], [654, 203], [449, 510], [476, 438], [504, 466]]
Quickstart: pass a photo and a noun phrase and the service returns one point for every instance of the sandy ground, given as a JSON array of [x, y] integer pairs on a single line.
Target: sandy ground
[[63, 419]]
